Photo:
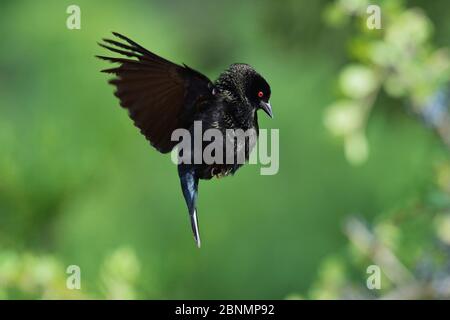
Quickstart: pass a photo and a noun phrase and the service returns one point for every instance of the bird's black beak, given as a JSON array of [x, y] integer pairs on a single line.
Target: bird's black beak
[[267, 108]]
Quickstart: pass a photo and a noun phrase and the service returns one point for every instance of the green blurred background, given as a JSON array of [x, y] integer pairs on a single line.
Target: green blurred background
[[79, 185]]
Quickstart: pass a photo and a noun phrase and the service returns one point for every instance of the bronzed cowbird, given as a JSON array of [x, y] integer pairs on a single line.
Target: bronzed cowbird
[[162, 96]]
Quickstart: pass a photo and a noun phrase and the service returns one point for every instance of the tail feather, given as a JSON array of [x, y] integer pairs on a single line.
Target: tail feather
[[189, 186], [194, 224]]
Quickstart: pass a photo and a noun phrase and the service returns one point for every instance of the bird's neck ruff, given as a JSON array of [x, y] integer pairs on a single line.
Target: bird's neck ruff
[[230, 90], [231, 86], [234, 81]]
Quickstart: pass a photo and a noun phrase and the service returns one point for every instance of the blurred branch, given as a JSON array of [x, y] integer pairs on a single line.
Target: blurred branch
[[406, 285], [366, 242]]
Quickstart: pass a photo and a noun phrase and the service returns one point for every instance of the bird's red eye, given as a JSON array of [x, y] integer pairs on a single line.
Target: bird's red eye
[[260, 94]]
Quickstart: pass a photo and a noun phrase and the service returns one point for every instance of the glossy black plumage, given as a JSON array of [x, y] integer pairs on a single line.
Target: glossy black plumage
[[161, 96]]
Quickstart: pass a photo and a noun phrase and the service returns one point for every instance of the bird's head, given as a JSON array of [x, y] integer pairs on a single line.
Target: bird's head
[[240, 82]]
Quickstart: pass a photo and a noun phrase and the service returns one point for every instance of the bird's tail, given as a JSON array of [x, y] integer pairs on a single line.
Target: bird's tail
[[189, 185]]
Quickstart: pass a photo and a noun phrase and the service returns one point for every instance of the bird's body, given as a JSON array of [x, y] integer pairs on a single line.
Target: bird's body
[[224, 113], [162, 97]]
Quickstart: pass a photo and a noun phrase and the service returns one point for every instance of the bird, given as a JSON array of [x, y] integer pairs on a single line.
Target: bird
[[162, 96]]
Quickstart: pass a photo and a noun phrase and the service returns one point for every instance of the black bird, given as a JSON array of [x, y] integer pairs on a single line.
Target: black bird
[[161, 96]]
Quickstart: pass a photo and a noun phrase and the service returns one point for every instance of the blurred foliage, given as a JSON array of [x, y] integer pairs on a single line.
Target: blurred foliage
[[80, 186], [31, 276], [399, 58], [411, 245]]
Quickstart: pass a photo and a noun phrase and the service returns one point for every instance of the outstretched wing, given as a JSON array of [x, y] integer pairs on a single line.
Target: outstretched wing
[[160, 96]]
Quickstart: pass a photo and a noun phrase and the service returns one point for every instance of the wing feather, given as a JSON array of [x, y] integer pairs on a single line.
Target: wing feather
[[160, 96]]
